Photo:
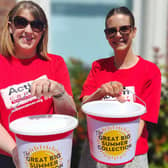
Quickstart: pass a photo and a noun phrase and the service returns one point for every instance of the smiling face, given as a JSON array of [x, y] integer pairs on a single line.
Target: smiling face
[[122, 33], [25, 39]]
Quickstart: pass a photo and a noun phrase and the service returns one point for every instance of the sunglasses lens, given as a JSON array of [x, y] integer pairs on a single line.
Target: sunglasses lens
[[125, 29], [110, 31], [37, 25], [20, 22]]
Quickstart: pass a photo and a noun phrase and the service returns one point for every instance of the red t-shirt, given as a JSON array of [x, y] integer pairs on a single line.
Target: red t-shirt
[[144, 78], [15, 81]]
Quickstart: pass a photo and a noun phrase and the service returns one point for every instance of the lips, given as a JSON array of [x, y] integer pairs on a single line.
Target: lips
[[119, 42], [27, 39]]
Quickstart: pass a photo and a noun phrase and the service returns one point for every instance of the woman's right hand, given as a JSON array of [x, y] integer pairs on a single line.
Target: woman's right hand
[[112, 88]]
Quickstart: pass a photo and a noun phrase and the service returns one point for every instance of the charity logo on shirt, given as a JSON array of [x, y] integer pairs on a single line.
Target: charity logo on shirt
[[128, 94], [17, 95]]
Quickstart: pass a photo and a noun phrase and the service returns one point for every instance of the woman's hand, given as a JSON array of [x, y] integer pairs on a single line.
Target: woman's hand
[[15, 157], [46, 87], [113, 89]]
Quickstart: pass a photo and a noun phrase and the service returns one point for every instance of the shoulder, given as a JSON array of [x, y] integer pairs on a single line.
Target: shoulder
[[2, 57], [149, 67], [4, 60], [103, 63], [54, 57]]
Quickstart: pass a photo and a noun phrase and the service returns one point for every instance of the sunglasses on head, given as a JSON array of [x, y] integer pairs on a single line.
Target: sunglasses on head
[[126, 29], [21, 22]]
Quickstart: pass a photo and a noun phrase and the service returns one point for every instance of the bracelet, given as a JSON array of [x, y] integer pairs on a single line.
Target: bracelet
[[59, 95]]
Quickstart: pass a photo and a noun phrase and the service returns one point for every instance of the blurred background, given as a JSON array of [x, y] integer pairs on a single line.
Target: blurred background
[[76, 32]]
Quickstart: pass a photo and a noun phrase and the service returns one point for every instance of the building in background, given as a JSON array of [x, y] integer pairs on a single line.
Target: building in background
[[5, 6], [152, 23], [77, 28]]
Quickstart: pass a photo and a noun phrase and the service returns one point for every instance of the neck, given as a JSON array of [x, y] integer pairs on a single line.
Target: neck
[[25, 54], [125, 59]]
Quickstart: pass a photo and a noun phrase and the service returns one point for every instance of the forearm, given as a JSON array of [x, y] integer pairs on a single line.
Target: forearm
[[141, 127], [112, 89], [7, 143], [97, 95], [64, 104]]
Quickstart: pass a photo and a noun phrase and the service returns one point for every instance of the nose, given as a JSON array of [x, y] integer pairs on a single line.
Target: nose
[[28, 29], [118, 34]]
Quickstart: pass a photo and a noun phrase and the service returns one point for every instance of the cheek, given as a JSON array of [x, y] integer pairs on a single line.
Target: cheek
[[16, 33], [110, 41], [38, 37]]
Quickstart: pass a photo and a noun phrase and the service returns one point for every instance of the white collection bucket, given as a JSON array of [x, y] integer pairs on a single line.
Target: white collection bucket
[[44, 140], [112, 130]]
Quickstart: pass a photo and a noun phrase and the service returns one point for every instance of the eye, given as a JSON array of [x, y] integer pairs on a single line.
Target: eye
[[20, 22], [110, 31], [125, 29], [37, 25]]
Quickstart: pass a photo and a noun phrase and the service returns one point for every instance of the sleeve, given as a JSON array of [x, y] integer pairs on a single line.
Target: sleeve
[[90, 85], [62, 75], [151, 96]]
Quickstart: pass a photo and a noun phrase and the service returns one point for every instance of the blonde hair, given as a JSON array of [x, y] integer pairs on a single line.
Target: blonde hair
[[7, 47]]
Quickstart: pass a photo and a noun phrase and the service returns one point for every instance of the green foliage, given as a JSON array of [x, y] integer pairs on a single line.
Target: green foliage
[[158, 140], [78, 73]]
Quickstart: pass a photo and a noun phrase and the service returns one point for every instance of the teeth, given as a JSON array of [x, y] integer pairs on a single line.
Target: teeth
[[27, 37]]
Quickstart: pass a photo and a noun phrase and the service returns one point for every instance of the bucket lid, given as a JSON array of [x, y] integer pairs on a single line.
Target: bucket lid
[[43, 124], [113, 109]]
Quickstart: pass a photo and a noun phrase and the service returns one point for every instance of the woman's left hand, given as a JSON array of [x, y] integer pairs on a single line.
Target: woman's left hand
[[15, 157], [46, 87]]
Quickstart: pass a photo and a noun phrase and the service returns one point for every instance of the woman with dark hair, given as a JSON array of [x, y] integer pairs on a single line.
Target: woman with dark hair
[[108, 78], [33, 82]]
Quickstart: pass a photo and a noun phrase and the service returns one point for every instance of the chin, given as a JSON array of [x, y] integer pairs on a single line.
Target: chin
[[27, 47], [120, 48]]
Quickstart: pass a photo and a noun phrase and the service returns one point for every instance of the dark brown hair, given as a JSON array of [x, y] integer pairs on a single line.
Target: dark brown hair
[[121, 10]]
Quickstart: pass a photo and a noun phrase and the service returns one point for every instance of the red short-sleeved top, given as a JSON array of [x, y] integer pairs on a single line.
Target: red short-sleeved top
[[144, 78]]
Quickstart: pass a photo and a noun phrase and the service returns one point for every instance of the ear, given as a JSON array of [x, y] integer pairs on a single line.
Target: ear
[[10, 28], [134, 32]]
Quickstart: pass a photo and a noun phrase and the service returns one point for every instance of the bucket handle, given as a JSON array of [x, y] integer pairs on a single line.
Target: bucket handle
[[135, 95], [126, 89], [15, 108]]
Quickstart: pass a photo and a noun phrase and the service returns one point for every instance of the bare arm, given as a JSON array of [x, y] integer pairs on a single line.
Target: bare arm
[[63, 102], [110, 88], [97, 95], [141, 127], [7, 143]]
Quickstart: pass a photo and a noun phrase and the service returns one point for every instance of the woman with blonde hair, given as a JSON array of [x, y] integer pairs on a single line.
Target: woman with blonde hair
[[33, 82]]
